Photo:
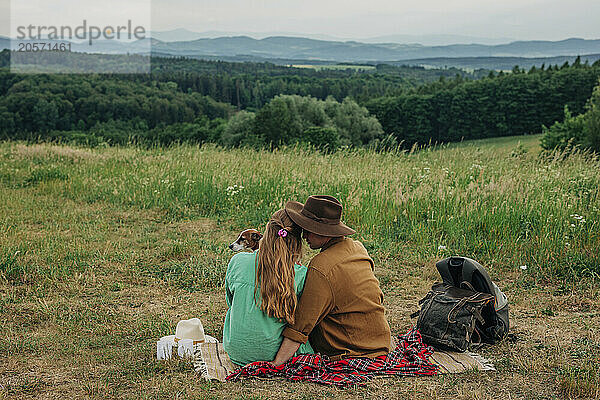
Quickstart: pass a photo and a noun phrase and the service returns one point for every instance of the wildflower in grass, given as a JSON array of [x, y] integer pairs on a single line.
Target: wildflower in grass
[[441, 248], [233, 190], [579, 218], [523, 267]]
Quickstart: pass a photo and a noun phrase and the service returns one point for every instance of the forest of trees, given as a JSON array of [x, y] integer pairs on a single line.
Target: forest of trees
[[37, 104], [499, 105], [262, 104], [251, 85]]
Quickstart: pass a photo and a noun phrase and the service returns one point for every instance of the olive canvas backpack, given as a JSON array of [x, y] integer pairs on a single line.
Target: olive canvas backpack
[[467, 308], [467, 273]]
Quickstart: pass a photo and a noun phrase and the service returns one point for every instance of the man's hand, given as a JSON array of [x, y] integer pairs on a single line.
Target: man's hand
[[286, 351], [250, 363]]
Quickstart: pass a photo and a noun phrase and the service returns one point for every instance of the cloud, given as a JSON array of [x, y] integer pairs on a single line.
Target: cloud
[[523, 20], [533, 19]]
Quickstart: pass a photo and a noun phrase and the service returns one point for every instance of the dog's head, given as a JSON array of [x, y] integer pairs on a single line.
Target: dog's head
[[248, 241]]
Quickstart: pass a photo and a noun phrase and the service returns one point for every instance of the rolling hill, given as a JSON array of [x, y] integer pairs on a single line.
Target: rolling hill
[[308, 49], [280, 49]]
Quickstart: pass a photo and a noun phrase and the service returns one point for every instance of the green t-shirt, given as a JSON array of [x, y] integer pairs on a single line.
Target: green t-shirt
[[249, 334]]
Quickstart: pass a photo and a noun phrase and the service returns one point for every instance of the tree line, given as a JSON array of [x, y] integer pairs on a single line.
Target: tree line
[[264, 105], [33, 105], [250, 86], [516, 103], [180, 93]]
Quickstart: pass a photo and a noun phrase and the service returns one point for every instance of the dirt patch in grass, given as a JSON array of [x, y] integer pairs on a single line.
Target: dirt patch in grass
[[200, 226]]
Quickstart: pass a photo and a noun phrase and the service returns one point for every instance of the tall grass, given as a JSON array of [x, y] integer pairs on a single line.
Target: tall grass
[[497, 201]]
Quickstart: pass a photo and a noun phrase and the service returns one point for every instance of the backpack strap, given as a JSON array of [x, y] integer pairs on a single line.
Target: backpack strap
[[475, 345], [477, 314], [461, 304]]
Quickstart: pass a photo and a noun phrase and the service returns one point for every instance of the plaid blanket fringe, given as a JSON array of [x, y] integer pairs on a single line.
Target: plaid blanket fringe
[[409, 358]]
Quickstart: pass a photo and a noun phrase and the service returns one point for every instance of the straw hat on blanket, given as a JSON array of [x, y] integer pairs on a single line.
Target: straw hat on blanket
[[190, 329]]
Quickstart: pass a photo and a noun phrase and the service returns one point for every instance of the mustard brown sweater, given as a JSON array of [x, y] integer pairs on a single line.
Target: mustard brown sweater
[[341, 309]]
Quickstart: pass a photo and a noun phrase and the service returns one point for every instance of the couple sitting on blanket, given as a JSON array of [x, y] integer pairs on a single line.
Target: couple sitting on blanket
[[279, 308]]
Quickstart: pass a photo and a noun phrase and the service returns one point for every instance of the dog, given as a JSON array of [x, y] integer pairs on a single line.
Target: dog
[[247, 241]]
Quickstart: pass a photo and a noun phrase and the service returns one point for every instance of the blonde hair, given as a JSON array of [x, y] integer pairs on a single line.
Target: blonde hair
[[279, 251]]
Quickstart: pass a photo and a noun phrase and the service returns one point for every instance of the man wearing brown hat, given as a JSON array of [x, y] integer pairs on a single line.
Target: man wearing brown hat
[[341, 308]]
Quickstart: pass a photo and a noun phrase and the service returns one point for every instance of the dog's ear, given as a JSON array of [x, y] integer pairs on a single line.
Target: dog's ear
[[256, 236]]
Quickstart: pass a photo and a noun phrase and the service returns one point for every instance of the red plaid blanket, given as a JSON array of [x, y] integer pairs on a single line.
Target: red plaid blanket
[[409, 358]]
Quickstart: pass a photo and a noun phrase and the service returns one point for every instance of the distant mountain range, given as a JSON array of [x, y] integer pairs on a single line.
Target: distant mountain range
[[184, 35], [181, 35], [309, 49], [244, 48], [436, 40]]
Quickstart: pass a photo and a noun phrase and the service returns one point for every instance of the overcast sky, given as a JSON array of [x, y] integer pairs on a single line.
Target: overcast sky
[[517, 19]]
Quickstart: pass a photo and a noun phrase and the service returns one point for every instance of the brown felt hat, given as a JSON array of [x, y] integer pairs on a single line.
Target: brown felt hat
[[320, 215]]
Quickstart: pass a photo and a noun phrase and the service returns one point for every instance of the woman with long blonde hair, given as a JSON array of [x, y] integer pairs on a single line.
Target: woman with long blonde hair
[[262, 291]]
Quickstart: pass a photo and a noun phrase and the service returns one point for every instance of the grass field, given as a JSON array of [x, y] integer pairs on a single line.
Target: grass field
[[103, 250]]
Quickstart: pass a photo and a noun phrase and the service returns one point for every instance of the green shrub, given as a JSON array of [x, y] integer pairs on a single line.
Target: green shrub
[[283, 120], [355, 125], [322, 137], [239, 130], [580, 131], [569, 132]]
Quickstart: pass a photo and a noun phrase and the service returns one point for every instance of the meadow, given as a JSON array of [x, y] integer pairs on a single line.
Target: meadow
[[103, 250]]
